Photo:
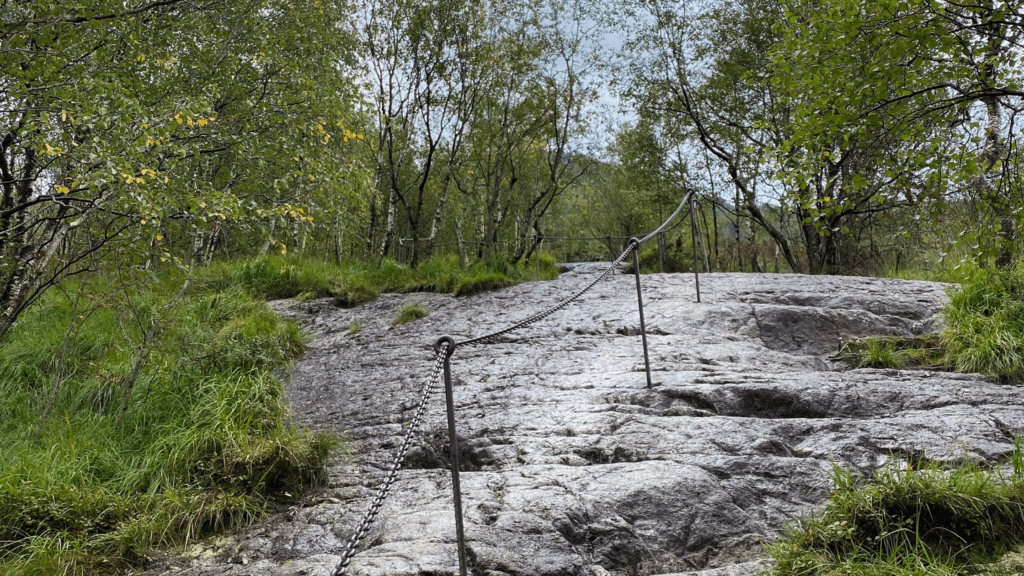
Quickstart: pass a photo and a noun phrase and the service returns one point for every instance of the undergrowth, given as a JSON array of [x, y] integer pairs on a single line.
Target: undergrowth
[[985, 325], [911, 521], [351, 284], [133, 416], [983, 332]]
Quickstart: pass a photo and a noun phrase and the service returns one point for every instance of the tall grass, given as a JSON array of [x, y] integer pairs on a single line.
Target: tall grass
[[131, 417], [353, 283], [985, 325], [910, 521]]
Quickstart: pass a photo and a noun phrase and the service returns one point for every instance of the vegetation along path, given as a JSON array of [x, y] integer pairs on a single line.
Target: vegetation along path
[[574, 467]]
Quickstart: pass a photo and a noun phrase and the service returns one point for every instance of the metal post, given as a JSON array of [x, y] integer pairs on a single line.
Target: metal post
[[693, 241], [536, 255], [703, 246], [640, 301], [661, 252], [454, 445]]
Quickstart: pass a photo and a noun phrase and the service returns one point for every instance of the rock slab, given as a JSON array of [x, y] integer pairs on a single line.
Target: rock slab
[[571, 465]]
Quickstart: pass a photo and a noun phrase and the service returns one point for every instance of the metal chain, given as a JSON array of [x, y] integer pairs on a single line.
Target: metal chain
[[382, 493], [428, 387], [541, 315]]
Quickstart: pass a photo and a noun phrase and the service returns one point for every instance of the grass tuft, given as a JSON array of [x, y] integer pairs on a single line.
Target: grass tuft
[[909, 521], [410, 311], [355, 327], [985, 325], [894, 352]]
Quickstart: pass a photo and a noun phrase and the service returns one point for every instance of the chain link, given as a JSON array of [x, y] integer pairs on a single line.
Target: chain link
[[633, 244], [382, 493], [428, 387]]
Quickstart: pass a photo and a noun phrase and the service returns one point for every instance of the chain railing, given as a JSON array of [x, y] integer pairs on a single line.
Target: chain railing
[[444, 347]]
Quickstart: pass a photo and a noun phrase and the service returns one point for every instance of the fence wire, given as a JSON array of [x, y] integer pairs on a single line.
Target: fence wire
[[428, 388], [385, 486]]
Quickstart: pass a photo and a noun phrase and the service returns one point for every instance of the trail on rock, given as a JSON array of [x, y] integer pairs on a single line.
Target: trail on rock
[[572, 466]]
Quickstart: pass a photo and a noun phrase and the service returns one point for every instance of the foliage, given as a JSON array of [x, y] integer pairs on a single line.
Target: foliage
[[89, 481], [146, 128], [909, 520], [351, 284], [937, 90], [985, 324], [354, 328]]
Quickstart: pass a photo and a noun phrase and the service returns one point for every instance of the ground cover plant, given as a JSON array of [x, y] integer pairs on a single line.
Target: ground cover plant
[[910, 519], [354, 283], [983, 332], [135, 414], [985, 325], [917, 520]]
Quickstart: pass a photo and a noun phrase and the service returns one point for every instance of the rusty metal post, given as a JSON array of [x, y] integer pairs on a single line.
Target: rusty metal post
[[693, 241], [454, 445], [640, 301]]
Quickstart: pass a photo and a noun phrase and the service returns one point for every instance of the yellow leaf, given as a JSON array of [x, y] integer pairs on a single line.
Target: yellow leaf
[[202, 204]]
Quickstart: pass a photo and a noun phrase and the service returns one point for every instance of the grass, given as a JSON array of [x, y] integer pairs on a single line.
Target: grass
[[894, 352], [985, 325], [983, 332], [130, 418], [908, 520], [351, 284], [355, 327], [410, 311]]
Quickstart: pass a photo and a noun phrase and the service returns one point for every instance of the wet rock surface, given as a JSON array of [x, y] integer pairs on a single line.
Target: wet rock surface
[[572, 466]]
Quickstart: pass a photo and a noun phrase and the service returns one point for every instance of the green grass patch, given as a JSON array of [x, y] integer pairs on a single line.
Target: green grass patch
[[352, 284], [131, 417], [410, 311], [985, 325], [355, 327], [894, 352], [906, 521]]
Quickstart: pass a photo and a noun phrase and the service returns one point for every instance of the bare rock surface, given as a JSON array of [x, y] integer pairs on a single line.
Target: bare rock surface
[[572, 466]]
